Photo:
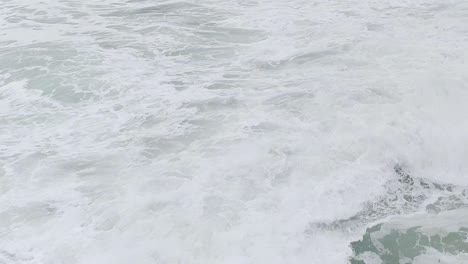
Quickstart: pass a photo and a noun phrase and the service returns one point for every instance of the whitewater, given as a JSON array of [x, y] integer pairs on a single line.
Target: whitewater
[[233, 131]]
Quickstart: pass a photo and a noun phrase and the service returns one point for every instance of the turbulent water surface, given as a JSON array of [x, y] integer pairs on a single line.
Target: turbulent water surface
[[233, 131]]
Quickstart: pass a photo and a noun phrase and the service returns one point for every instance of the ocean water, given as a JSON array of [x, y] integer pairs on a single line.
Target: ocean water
[[237, 132]]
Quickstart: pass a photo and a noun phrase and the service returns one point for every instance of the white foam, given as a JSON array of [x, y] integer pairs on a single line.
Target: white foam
[[429, 224], [216, 131]]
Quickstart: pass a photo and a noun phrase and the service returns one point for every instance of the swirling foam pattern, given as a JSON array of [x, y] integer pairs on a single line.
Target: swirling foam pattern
[[216, 131]]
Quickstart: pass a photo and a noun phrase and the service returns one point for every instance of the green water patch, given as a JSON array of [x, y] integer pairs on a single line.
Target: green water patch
[[389, 243]]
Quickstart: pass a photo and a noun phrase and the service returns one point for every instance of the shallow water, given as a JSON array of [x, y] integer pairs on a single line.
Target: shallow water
[[228, 131]]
